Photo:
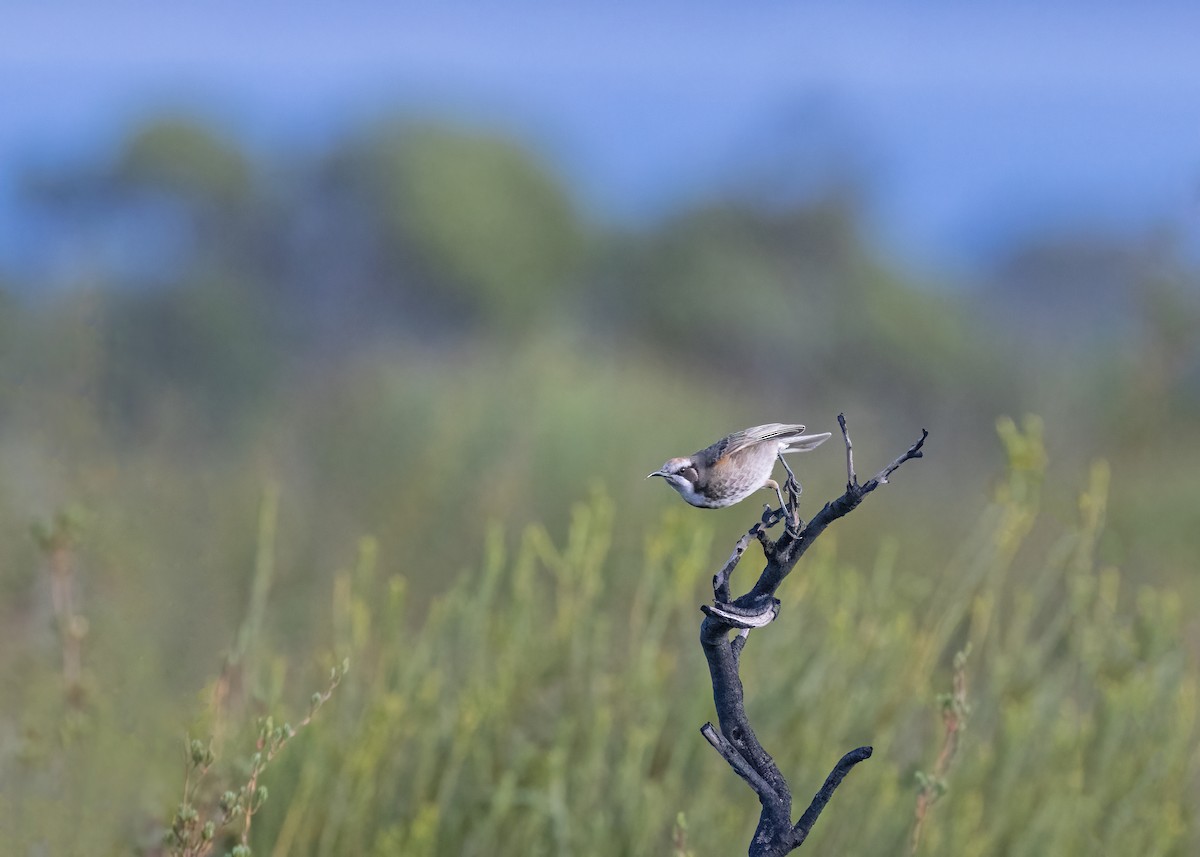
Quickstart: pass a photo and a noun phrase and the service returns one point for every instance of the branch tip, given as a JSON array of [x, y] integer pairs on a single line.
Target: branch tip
[[914, 451], [821, 798], [851, 476]]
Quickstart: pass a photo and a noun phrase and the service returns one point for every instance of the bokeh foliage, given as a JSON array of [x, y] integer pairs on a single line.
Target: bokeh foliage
[[453, 384], [566, 690]]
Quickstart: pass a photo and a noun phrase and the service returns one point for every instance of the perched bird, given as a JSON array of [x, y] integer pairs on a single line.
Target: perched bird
[[736, 466]]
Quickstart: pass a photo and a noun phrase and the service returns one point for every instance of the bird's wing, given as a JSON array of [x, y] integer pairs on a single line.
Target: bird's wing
[[740, 440]]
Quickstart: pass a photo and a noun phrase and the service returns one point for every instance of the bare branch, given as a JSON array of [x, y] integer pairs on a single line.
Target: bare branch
[[736, 741], [848, 761], [851, 477], [735, 759], [721, 579], [913, 451]]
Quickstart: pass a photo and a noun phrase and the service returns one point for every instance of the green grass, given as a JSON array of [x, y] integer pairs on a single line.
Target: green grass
[[550, 702], [537, 688]]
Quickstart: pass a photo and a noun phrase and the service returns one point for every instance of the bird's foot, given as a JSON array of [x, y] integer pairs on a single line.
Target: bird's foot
[[790, 509], [793, 486]]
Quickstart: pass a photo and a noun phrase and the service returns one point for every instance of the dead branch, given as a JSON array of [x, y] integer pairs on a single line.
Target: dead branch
[[735, 741]]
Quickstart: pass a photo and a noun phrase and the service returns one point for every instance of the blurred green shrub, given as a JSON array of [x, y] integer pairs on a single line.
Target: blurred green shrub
[[188, 158], [478, 219]]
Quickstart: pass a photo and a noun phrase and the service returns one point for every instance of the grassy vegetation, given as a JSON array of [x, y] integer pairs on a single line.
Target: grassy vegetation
[[548, 701]]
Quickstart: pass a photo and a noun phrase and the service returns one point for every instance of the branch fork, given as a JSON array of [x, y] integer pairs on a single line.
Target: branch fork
[[735, 740]]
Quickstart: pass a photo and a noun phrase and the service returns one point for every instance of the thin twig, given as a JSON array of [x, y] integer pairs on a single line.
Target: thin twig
[[913, 451], [851, 477], [955, 712], [735, 759], [805, 824], [721, 579]]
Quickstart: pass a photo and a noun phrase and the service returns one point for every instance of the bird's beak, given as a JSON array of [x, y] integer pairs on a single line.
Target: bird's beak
[[657, 473]]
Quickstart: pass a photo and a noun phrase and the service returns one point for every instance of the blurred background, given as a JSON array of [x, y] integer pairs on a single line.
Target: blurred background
[[354, 334]]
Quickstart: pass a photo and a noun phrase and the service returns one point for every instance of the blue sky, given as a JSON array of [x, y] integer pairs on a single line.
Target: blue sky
[[971, 123]]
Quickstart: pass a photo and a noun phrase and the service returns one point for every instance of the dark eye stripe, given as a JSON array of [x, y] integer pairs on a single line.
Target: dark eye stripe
[[689, 473]]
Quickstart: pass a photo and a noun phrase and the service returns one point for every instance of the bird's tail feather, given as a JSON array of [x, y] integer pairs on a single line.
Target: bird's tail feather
[[805, 442]]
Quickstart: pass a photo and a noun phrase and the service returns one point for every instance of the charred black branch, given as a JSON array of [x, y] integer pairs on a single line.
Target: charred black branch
[[735, 741]]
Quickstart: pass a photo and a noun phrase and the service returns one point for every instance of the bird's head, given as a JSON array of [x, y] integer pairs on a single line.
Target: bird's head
[[680, 473]]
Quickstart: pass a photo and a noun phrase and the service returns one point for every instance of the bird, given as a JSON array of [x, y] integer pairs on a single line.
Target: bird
[[737, 465]]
